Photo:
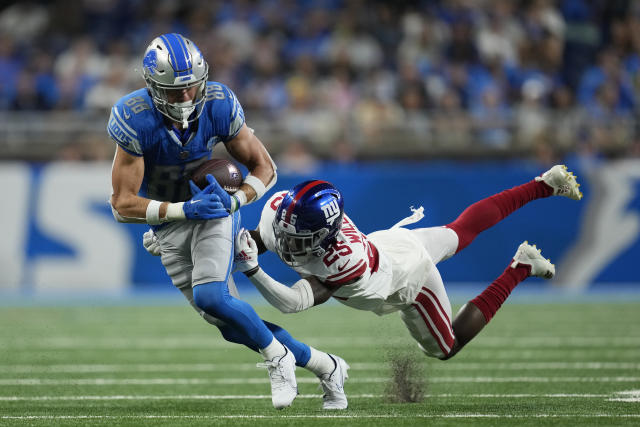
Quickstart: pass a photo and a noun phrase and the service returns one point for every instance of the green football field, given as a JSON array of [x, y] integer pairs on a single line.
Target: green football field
[[538, 364]]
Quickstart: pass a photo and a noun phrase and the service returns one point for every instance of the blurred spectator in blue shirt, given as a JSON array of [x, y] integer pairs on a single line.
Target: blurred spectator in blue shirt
[[610, 72]]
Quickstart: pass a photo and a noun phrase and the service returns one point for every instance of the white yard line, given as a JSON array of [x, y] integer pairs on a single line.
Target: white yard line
[[300, 396], [631, 396], [242, 367], [172, 397], [336, 416], [197, 381], [207, 342]]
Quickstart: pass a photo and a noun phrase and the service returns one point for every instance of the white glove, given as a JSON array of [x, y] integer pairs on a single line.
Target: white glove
[[246, 252], [150, 243]]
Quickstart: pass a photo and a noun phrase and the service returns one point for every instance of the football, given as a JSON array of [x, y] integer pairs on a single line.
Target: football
[[225, 172]]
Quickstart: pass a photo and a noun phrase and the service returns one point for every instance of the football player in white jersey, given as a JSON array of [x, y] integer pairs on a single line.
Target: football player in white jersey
[[164, 132], [390, 270]]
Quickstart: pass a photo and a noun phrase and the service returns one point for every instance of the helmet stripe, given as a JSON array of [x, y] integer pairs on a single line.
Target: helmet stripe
[[177, 57], [172, 55], [185, 51], [298, 196]]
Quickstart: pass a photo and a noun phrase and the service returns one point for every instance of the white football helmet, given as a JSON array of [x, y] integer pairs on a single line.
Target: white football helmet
[[172, 62]]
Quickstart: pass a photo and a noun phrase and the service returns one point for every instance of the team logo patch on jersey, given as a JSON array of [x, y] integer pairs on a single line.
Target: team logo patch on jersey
[[150, 61], [331, 211]]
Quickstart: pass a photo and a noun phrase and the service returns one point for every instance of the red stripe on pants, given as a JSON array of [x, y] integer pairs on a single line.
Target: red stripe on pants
[[435, 298], [433, 334], [442, 326]]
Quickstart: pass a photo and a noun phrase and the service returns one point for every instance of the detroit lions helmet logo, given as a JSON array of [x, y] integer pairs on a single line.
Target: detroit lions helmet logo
[[150, 61]]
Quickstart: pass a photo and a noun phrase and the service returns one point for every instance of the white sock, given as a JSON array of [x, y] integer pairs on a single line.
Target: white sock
[[320, 363], [273, 350]]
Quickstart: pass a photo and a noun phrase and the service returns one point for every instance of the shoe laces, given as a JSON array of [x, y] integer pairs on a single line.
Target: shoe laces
[[328, 384], [275, 369]]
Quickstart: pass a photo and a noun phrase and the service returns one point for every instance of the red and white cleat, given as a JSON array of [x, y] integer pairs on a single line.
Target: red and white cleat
[[530, 255], [562, 181]]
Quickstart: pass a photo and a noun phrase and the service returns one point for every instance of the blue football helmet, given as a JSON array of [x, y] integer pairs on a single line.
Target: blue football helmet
[[173, 62], [307, 221]]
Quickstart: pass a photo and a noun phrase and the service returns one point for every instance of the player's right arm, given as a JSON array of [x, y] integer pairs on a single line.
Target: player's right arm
[[321, 292], [126, 177]]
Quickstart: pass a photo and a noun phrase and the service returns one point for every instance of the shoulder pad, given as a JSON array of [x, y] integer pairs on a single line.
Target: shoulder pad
[[129, 119], [225, 110]]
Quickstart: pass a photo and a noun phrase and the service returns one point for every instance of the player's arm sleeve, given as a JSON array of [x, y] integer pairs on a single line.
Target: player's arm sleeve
[[122, 132], [294, 299], [305, 293]]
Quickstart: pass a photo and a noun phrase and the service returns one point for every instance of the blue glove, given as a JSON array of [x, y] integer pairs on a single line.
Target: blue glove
[[226, 199], [204, 204]]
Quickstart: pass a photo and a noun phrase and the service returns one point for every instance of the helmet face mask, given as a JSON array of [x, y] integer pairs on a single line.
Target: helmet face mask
[[172, 64], [307, 222], [297, 248]]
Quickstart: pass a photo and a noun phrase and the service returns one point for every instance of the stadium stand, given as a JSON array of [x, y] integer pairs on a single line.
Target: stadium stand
[[343, 80]]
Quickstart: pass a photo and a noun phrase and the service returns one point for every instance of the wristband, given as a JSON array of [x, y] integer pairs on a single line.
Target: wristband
[[251, 272], [235, 204], [257, 185], [175, 212], [153, 212], [242, 198]]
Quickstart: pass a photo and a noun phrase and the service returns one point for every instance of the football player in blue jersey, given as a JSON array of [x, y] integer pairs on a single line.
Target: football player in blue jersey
[[164, 132]]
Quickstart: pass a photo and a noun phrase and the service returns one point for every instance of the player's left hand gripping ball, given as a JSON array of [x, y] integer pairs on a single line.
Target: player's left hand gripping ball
[[246, 252], [225, 198], [205, 204]]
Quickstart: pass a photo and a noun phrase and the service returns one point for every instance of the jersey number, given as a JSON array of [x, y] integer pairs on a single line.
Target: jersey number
[[137, 104], [169, 181], [214, 92], [276, 202], [335, 252]]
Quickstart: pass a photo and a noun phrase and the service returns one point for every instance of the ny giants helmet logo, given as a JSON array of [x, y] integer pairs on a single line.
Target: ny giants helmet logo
[[331, 211], [150, 61]]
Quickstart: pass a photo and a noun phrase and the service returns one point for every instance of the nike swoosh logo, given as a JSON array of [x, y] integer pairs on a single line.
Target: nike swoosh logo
[[342, 267], [195, 201], [124, 112]]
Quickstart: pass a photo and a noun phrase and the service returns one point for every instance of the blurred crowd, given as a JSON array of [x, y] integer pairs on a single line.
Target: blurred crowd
[[344, 78]]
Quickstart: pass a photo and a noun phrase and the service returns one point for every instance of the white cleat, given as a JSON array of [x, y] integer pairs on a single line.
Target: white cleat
[[530, 255], [284, 387], [562, 181], [333, 385]]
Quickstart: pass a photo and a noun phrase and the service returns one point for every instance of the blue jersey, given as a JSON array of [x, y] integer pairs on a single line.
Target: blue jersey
[[170, 156]]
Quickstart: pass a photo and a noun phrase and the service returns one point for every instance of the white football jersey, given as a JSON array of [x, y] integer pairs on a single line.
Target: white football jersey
[[390, 264]]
